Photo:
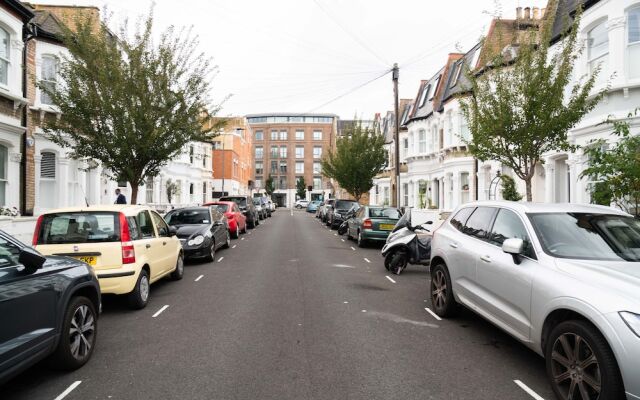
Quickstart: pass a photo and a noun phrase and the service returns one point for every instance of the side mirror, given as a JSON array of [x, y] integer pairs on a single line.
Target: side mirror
[[172, 231], [31, 259], [513, 246]]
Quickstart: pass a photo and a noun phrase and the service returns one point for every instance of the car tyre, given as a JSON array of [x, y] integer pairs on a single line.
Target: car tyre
[[78, 336], [178, 271], [212, 251], [139, 297], [442, 300], [236, 233], [227, 242], [361, 241], [349, 237], [579, 358]]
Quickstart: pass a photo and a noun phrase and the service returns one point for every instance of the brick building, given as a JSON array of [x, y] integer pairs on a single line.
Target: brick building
[[233, 158], [291, 146]]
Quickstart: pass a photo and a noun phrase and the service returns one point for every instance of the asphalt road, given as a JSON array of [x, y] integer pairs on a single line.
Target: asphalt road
[[292, 312]]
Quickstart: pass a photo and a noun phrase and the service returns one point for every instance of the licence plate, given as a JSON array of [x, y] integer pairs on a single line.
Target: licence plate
[[91, 260], [386, 227]]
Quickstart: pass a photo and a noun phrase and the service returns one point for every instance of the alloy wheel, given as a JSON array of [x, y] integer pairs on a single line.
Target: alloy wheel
[[575, 368], [439, 289], [81, 332], [144, 288]]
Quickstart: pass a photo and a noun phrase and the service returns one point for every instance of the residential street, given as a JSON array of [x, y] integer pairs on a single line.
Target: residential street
[[292, 312]]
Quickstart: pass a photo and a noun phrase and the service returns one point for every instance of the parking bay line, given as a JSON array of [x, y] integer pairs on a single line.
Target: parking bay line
[[389, 278], [198, 278], [434, 315], [160, 311], [352, 248], [220, 259], [528, 390], [234, 246], [367, 260], [68, 390]]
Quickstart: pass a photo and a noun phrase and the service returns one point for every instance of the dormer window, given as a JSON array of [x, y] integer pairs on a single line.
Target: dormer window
[[49, 77], [435, 88], [5, 56], [457, 69], [425, 94]]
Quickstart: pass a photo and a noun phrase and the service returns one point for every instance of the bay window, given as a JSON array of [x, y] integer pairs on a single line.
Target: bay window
[[5, 56], [633, 42], [49, 77], [598, 50], [422, 141]]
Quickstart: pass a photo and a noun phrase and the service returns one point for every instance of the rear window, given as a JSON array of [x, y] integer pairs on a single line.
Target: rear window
[[241, 201], [391, 213], [344, 205], [188, 217], [85, 227], [223, 208]]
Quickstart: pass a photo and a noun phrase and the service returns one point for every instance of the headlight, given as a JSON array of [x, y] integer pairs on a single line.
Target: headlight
[[632, 320], [196, 240]]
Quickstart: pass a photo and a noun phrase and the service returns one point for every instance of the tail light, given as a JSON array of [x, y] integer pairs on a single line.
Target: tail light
[[36, 232], [128, 251], [367, 224]]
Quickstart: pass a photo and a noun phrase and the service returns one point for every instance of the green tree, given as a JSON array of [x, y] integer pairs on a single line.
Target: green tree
[[509, 191], [359, 156], [615, 171], [520, 108], [301, 188], [128, 101], [269, 185]]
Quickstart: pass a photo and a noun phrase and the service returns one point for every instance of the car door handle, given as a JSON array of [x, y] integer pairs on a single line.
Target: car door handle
[[486, 259], [454, 245], [148, 246], [164, 243]]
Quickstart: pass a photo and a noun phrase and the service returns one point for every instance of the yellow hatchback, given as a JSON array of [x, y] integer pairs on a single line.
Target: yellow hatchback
[[128, 246]]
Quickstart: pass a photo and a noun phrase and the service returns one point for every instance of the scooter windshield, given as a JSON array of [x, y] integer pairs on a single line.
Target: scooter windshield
[[403, 222]]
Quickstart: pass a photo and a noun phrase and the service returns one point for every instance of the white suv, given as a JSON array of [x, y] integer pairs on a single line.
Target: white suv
[[564, 279]]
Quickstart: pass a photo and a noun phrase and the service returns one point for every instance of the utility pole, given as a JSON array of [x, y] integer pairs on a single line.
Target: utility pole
[[395, 181]]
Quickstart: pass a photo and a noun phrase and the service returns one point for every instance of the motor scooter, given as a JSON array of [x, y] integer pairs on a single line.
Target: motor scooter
[[407, 244], [342, 229]]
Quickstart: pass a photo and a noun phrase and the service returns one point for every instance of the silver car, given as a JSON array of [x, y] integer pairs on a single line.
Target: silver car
[[564, 279]]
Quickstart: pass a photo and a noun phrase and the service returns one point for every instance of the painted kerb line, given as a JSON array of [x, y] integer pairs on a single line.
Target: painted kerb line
[[528, 390], [160, 311], [389, 278], [198, 278], [434, 315], [68, 390]]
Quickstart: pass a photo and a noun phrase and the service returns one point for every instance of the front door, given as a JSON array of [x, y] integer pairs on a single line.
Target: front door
[[149, 245], [166, 244], [504, 286]]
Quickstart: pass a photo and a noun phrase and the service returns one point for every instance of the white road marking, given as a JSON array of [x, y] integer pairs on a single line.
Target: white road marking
[[68, 390], [342, 240], [389, 278], [220, 259], [433, 314], [342, 266], [198, 278], [364, 310], [234, 246], [345, 302], [160, 311], [241, 238], [367, 260], [528, 390], [352, 248]]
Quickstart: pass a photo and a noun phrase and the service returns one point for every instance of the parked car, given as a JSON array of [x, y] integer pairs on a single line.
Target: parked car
[[42, 300], [265, 206], [564, 279], [328, 204], [262, 212], [272, 206], [236, 220], [201, 230], [302, 203], [245, 204], [130, 247], [312, 207], [335, 215], [371, 223]]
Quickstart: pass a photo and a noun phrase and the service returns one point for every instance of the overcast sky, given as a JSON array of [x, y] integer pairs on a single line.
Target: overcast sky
[[300, 55]]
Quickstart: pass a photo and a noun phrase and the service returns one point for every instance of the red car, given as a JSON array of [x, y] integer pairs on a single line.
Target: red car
[[237, 220]]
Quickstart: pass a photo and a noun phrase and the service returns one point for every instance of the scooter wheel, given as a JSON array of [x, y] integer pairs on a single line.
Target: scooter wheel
[[396, 262]]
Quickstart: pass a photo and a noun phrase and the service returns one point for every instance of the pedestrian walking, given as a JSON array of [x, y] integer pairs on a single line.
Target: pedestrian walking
[[120, 199]]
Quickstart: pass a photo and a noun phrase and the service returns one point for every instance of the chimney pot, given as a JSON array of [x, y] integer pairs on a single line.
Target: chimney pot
[[527, 13], [518, 12], [536, 13]]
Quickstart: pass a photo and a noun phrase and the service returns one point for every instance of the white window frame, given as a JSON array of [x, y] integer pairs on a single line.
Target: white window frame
[[317, 135], [259, 153], [319, 169], [3, 179], [422, 141], [43, 79], [6, 60], [299, 134], [299, 167], [629, 45], [317, 154], [602, 59], [299, 151]]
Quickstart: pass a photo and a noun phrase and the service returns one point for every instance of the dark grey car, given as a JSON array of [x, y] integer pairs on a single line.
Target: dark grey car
[[201, 230], [48, 307]]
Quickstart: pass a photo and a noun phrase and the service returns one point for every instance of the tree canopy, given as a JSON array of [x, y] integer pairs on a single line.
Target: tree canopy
[[301, 188], [522, 107], [128, 102], [359, 156]]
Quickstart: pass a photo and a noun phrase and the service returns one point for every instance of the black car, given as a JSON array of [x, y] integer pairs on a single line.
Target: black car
[[48, 308], [201, 230], [245, 203], [335, 215]]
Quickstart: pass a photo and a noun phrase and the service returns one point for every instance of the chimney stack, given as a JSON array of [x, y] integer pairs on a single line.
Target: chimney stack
[[527, 13], [518, 12], [536, 13]]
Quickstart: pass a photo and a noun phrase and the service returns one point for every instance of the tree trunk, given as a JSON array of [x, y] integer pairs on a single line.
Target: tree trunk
[[527, 183], [134, 194]]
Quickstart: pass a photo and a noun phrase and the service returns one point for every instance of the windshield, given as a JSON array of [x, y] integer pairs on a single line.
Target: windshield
[[588, 236], [82, 227], [389, 213], [188, 217], [404, 221], [223, 208], [344, 204], [240, 201]]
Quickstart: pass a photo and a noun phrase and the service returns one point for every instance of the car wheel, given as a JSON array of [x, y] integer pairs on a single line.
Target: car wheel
[[580, 362], [236, 233], [140, 296], [78, 336], [227, 243], [212, 251], [442, 300], [361, 241], [178, 272], [349, 237]]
